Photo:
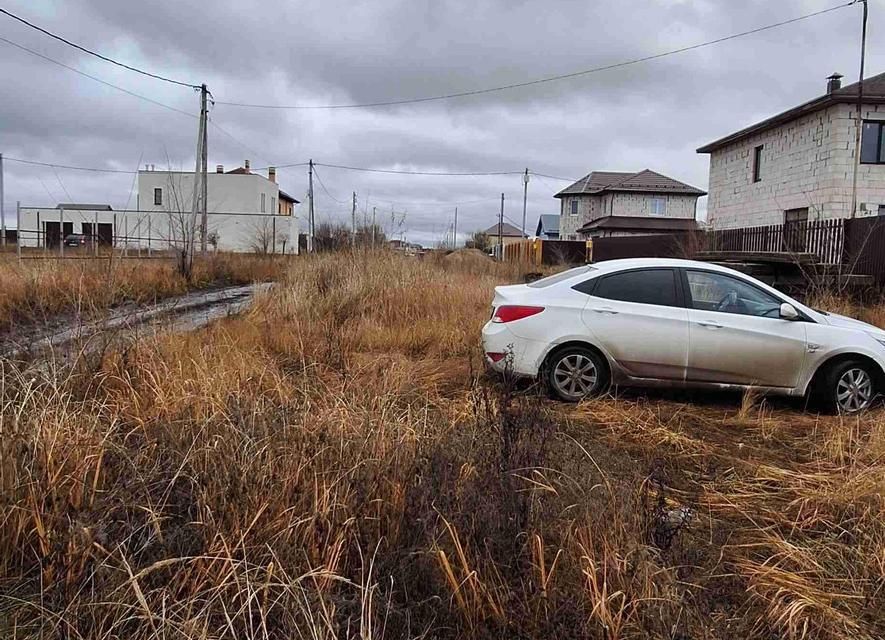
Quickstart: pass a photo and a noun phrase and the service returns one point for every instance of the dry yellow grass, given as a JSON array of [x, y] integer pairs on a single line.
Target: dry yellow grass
[[36, 289], [334, 464]]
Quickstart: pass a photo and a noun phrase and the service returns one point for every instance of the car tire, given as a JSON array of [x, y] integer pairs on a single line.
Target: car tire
[[575, 373], [847, 387]]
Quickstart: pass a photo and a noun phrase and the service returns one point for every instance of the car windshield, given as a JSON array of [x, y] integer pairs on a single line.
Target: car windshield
[[561, 277]]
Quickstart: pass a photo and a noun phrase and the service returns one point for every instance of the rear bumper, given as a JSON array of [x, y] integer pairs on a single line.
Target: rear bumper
[[522, 357]]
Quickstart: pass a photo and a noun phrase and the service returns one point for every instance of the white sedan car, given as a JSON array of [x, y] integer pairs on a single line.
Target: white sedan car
[[662, 322]]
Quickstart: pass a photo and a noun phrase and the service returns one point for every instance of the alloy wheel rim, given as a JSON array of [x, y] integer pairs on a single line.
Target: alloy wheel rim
[[854, 391], [575, 375]]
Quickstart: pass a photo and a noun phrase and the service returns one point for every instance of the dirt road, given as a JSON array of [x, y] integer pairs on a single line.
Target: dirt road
[[182, 313]]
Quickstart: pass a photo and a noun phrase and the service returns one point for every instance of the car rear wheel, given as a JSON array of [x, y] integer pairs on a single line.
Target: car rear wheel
[[576, 373], [848, 387]]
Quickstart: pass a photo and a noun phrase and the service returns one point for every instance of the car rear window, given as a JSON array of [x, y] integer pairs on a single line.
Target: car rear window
[[560, 277], [645, 286]]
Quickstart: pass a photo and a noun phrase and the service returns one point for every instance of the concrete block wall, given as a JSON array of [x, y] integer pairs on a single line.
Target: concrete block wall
[[805, 163]]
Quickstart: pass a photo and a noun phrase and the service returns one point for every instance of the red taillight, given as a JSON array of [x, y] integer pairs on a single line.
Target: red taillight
[[509, 313], [494, 356]]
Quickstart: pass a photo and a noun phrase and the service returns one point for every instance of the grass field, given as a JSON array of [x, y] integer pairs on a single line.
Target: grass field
[[38, 288], [335, 464]]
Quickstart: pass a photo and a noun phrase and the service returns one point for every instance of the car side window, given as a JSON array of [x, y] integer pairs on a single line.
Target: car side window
[[645, 286], [726, 294]]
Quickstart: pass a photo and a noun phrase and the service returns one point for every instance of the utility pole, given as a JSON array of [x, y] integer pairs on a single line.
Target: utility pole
[[373, 227], [455, 231], [857, 136], [525, 194], [204, 222], [2, 213], [61, 232], [310, 209], [190, 236], [353, 222], [18, 229], [501, 231]]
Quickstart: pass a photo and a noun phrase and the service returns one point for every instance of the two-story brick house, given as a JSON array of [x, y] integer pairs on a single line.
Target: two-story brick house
[[798, 165], [615, 203]]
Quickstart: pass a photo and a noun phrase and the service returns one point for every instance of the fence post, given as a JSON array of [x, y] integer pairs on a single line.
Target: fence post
[[149, 235], [18, 229], [95, 235], [61, 232]]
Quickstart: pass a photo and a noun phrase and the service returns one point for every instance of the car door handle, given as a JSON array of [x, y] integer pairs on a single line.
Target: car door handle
[[605, 310], [709, 325]]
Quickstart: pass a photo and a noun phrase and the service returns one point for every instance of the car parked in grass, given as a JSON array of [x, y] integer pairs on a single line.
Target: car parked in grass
[[680, 323]]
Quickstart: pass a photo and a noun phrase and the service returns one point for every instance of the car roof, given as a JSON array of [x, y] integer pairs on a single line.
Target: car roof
[[608, 266]]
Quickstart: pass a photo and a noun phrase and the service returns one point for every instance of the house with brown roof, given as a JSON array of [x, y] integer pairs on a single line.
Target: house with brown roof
[[615, 203], [507, 233], [799, 165]]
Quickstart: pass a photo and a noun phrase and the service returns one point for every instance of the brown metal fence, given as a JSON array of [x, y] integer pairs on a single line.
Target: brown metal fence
[[864, 247], [672, 245]]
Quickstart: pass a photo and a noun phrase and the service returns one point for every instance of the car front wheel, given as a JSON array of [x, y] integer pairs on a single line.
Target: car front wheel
[[576, 373], [848, 387]]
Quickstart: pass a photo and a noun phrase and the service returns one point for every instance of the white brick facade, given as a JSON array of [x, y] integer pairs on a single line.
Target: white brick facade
[[591, 207], [807, 162]]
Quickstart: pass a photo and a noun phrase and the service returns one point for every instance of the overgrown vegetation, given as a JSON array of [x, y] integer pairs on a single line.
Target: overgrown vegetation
[[334, 464], [36, 289]]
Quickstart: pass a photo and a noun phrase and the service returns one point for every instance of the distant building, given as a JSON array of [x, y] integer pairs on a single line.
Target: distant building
[[548, 227], [246, 212], [615, 203], [509, 234], [799, 165]]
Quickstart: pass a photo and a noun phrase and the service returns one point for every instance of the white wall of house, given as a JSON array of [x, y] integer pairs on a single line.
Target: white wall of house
[[591, 207], [227, 192], [161, 231], [805, 163]]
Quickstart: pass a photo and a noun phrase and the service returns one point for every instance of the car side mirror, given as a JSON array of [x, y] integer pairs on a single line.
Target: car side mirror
[[788, 312]]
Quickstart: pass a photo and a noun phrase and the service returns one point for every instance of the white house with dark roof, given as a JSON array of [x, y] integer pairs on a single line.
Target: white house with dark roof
[[616, 203], [799, 165]]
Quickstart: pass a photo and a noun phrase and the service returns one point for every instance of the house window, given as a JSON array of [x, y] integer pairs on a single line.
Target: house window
[[574, 207], [872, 145], [158, 196], [273, 205], [658, 206], [757, 164], [263, 203]]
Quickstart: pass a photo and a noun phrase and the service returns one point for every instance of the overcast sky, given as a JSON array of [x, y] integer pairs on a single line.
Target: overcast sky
[[650, 115]]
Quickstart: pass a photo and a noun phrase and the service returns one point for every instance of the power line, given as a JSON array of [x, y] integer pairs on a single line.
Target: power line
[[544, 175], [320, 180], [91, 77], [565, 76], [418, 173], [96, 54], [66, 166]]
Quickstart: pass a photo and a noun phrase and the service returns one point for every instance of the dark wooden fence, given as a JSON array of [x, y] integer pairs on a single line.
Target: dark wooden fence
[[857, 245], [823, 238]]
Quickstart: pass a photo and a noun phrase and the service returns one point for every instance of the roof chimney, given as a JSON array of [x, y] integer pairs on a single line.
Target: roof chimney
[[834, 82], [272, 174], [219, 168], [246, 166]]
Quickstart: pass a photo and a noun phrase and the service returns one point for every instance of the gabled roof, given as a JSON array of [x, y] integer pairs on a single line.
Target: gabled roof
[[286, 196], [646, 181], [509, 231], [547, 224], [873, 93], [73, 206], [640, 223]]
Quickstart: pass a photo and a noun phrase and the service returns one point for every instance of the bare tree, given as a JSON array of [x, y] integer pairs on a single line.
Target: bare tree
[[262, 236]]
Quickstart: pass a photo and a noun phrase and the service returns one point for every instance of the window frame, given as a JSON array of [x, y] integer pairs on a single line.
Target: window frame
[[158, 195], [590, 287], [263, 199], [689, 300], [652, 211], [757, 163], [880, 142], [573, 207]]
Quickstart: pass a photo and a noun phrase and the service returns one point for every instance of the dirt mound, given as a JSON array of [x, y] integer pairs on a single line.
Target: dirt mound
[[468, 257]]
